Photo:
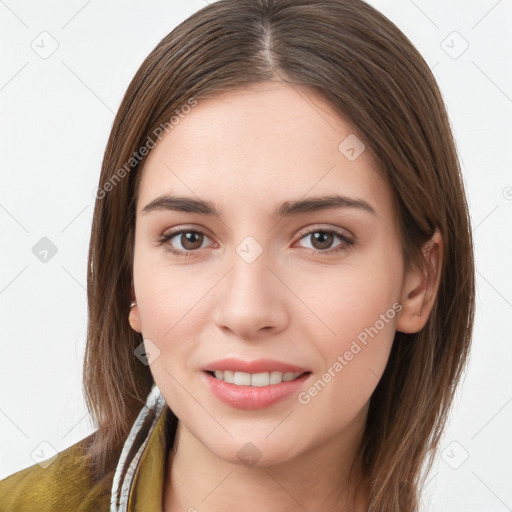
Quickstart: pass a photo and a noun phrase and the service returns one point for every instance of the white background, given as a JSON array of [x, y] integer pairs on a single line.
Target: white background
[[55, 118]]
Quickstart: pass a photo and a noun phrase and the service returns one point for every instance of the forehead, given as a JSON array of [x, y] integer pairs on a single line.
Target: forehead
[[264, 145]]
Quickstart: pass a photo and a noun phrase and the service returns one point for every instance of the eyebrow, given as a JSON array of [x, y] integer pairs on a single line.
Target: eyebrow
[[287, 209]]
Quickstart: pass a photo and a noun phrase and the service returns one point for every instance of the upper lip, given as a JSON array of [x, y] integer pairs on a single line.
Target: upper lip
[[256, 366]]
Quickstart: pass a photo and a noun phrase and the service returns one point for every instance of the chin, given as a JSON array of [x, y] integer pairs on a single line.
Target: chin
[[254, 450]]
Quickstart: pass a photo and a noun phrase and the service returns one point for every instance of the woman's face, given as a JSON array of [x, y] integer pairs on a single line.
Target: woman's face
[[315, 288]]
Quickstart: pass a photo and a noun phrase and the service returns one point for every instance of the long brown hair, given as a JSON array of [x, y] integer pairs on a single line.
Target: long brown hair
[[371, 74]]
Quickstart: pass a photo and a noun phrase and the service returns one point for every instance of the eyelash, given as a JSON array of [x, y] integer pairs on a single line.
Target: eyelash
[[347, 242]]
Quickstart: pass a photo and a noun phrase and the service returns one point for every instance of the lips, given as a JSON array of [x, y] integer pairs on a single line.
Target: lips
[[253, 384], [253, 397], [255, 366]]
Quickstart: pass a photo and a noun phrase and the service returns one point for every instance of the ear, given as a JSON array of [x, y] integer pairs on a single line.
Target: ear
[[133, 316], [420, 288]]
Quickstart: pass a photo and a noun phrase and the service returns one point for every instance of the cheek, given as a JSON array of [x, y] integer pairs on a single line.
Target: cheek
[[353, 363], [168, 301], [173, 316], [365, 311], [167, 295], [355, 302], [355, 356], [358, 307]]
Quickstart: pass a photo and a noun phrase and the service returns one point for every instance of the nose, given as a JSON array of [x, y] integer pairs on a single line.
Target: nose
[[250, 300]]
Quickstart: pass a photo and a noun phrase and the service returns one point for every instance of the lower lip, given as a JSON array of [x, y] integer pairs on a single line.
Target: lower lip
[[253, 397]]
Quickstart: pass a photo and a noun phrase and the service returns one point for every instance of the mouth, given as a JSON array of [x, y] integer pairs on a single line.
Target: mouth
[[254, 384], [252, 391], [260, 379]]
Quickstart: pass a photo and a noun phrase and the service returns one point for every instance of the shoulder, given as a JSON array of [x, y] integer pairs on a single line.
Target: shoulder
[[65, 484]]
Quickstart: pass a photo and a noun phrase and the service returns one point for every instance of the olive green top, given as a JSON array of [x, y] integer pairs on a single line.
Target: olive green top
[[65, 485]]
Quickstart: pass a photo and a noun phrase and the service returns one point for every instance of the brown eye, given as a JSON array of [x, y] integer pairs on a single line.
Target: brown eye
[[191, 240], [322, 241], [186, 242]]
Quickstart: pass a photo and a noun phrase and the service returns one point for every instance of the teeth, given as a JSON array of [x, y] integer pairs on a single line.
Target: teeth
[[255, 379], [260, 379], [242, 379]]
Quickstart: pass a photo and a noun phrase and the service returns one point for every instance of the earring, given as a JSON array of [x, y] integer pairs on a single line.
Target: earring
[[134, 303]]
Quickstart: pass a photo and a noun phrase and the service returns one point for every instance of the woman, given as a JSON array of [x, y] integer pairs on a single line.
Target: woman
[[280, 280]]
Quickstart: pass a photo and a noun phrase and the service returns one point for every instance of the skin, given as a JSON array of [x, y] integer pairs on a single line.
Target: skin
[[248, 151]]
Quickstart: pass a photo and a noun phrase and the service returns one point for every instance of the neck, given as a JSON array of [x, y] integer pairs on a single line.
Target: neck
[[319, 479]]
